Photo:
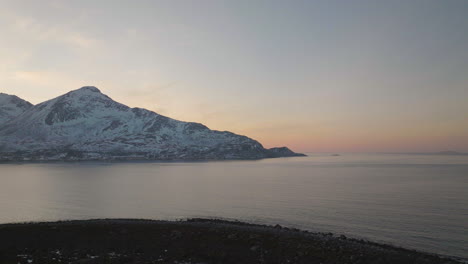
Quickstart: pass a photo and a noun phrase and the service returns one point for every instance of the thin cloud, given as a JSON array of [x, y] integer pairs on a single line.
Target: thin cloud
[[33, 30]]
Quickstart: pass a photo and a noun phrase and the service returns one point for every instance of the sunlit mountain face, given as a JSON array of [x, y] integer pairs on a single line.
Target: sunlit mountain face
[[86, 124]]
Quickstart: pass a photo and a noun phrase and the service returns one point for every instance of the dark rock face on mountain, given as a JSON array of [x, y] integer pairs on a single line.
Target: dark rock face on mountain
[[284, 152], [85, 124]]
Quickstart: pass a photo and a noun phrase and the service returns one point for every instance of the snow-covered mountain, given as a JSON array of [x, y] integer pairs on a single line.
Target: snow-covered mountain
[[11, 106], [85, 124]]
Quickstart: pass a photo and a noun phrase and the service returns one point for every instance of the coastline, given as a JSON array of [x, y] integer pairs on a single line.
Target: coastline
[[135, 160], [190, 241]]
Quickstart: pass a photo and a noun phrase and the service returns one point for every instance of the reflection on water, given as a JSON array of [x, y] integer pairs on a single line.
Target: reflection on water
[[414, 201]]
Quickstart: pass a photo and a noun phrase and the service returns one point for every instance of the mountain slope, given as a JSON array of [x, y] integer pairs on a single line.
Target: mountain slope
[[85, 124], [11, 106]]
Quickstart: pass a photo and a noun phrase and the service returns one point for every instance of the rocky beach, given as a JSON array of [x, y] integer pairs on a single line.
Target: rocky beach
[[189, 241]]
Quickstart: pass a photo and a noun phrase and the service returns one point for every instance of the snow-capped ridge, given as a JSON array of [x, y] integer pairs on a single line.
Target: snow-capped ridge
[[87, 124], [89, 88], [5, 98], [11, 106]]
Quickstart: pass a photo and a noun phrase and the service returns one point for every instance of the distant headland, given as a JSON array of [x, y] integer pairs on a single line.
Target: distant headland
[[86, 124]]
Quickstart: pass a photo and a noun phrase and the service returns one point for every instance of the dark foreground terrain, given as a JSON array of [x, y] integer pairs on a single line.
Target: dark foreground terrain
[[190, 241]]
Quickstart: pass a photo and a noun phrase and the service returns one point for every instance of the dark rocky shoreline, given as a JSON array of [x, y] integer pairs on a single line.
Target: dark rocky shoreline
[[189, 241]]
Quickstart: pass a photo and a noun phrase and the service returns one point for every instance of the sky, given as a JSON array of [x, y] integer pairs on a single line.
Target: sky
[[314, 75]]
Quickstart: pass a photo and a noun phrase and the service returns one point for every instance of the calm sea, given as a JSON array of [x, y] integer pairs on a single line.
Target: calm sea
[[415, 201]]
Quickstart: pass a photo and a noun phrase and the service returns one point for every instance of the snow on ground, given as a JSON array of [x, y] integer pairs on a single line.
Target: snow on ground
[[86, 124]]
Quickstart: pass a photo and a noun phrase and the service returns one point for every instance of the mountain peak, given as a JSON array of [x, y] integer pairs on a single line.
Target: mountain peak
[[11, 106], [4, 96], [13, 99], [85, 124], [89, 88]]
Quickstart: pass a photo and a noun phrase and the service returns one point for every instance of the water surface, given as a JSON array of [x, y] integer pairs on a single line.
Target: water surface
[[415, 201]]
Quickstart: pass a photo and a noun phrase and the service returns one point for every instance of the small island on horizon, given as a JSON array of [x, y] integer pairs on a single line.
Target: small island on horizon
[[442, 153], [448, 152]]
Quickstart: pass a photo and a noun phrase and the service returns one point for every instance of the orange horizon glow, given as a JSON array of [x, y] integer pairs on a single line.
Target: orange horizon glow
[[318, 76]]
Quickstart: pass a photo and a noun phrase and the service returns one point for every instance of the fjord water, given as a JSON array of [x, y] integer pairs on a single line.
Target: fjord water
[[414, 201]]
